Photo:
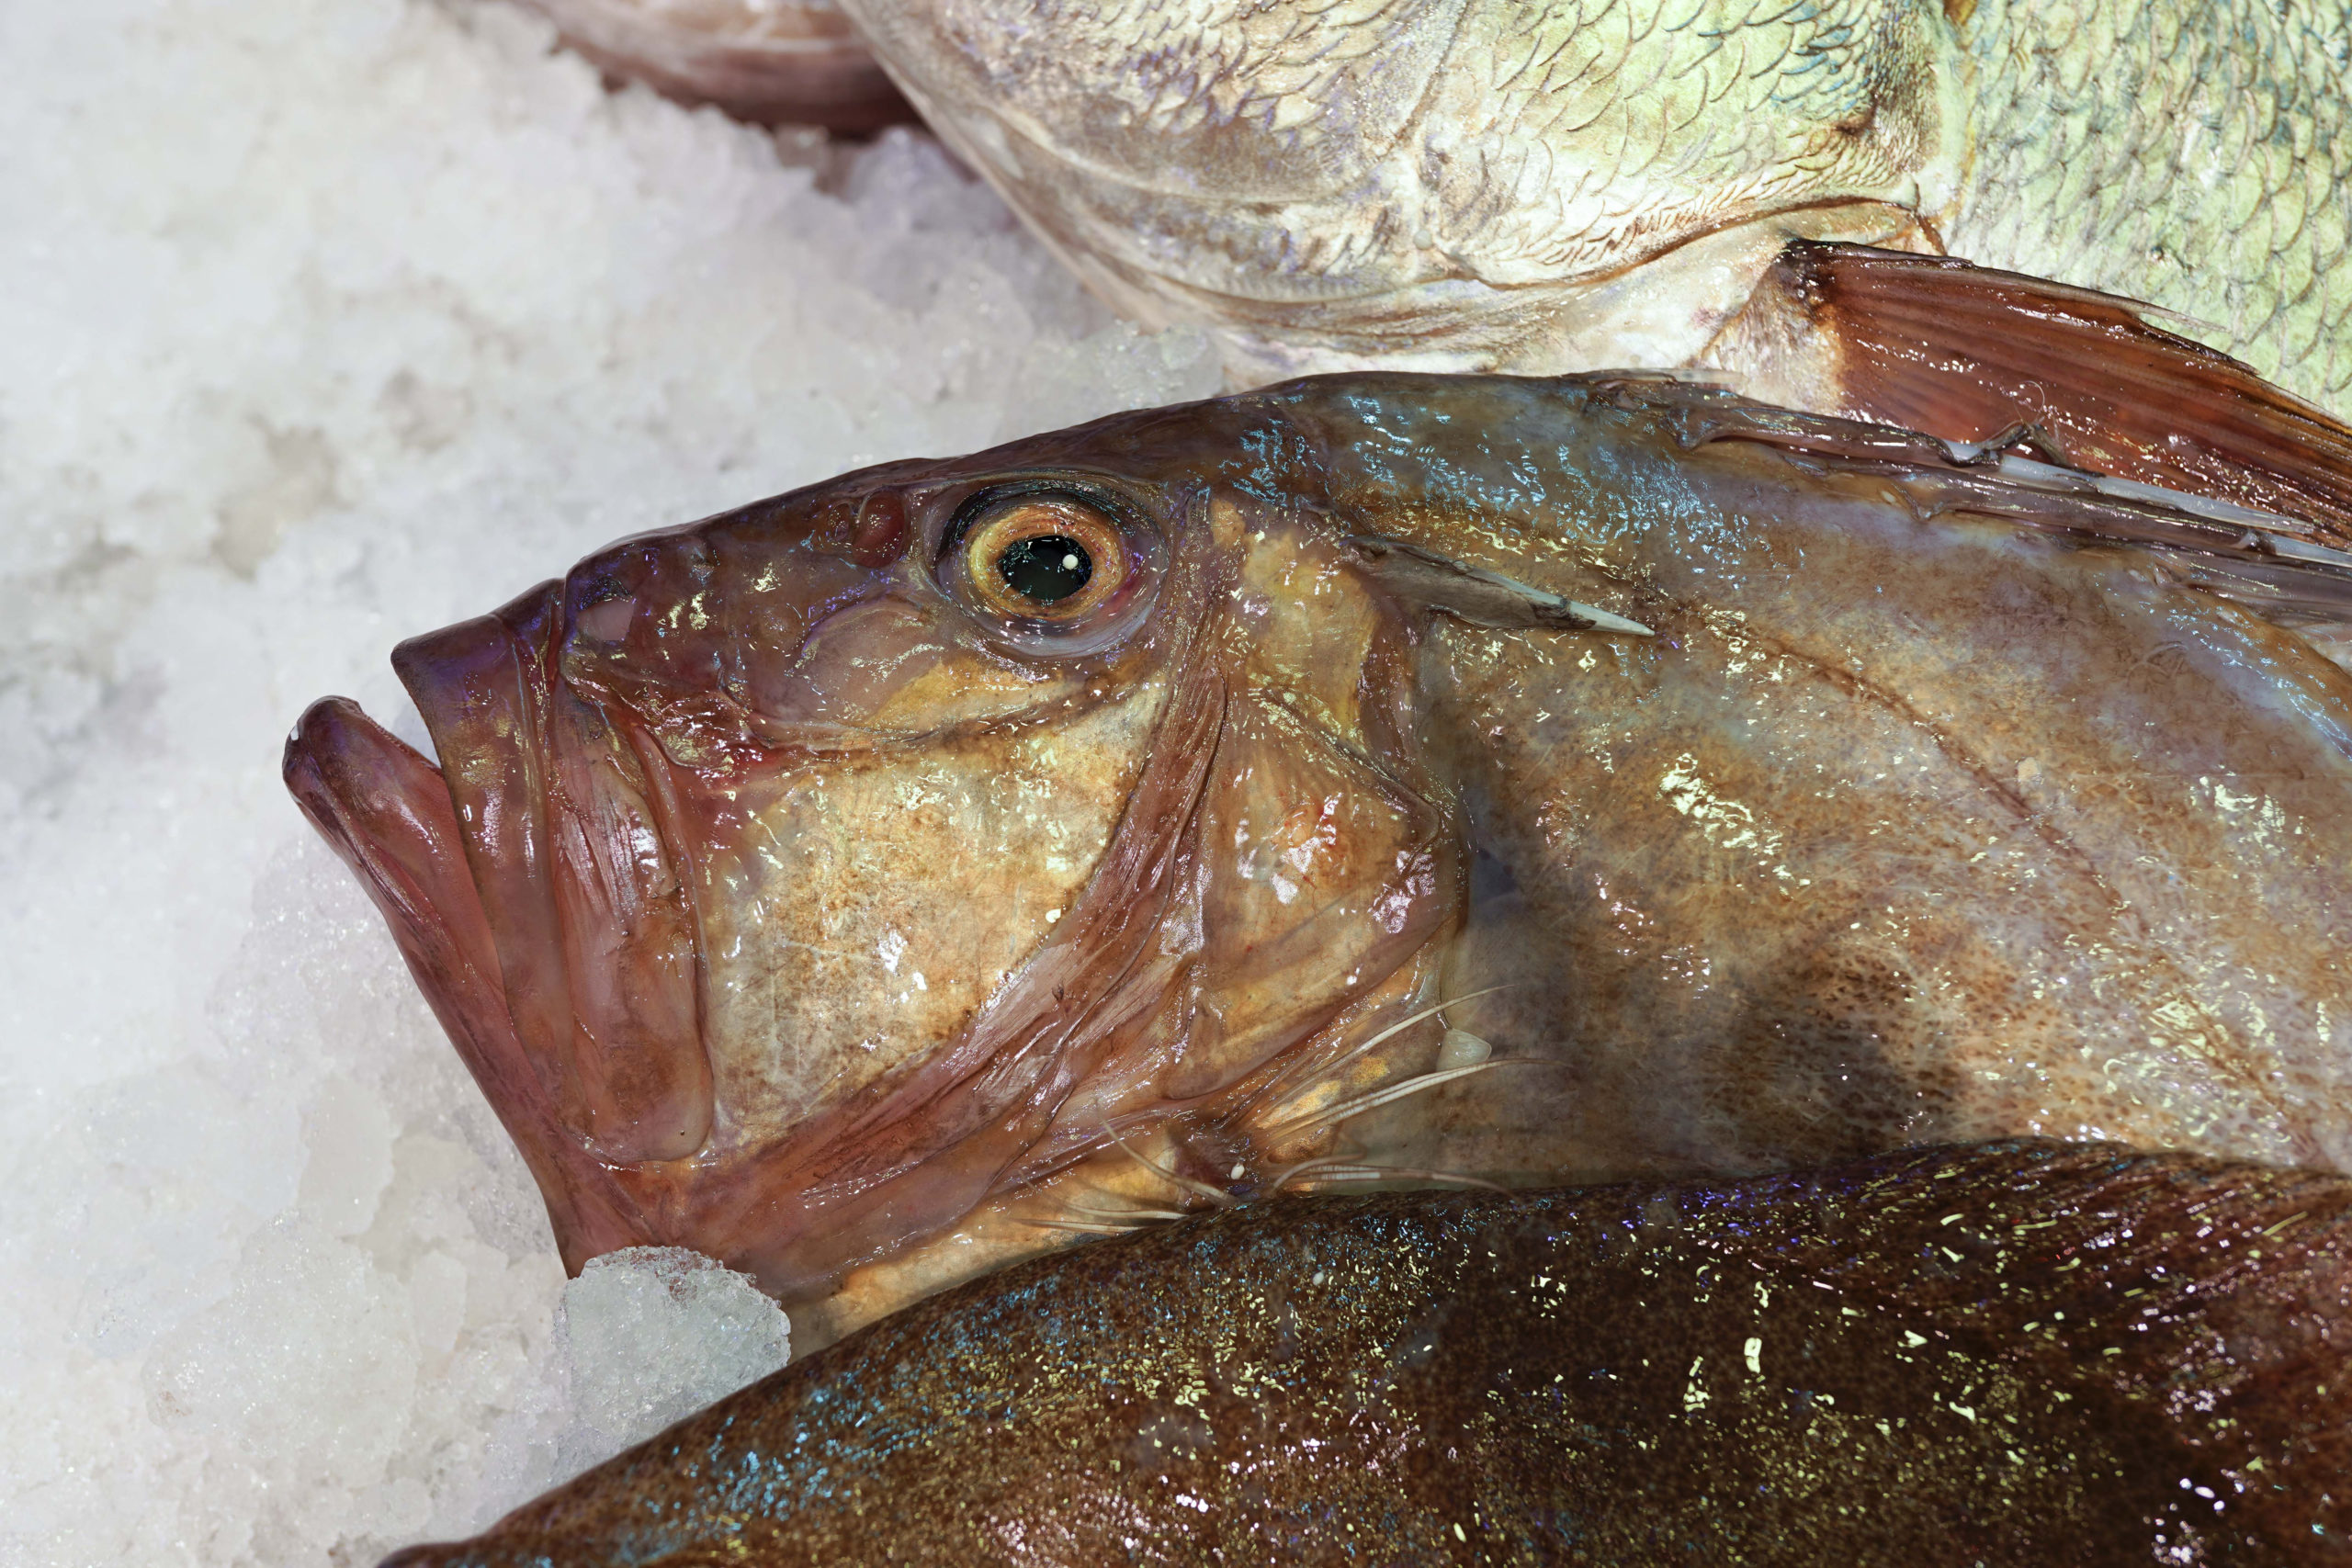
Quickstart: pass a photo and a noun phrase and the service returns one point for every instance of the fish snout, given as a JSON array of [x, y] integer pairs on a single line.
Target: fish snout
[[384, 811]]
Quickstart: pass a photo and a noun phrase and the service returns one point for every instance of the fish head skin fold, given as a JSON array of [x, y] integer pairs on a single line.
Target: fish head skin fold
[[1442, 184], [804, 889]]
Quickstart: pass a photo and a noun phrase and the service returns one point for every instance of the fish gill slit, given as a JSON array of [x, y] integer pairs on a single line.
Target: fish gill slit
[[1216, 1195], [1082, 1227], [1135, 1214], [1345, 1168], [1090, 1220]]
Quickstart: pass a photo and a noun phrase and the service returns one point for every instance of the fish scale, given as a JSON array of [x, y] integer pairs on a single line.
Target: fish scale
[[1485, 185], [1954, 1355], [1586, 183], [2196, 157]]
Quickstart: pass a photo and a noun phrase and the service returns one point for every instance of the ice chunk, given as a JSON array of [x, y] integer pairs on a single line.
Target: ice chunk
[[644, 1337], [656, 1332]]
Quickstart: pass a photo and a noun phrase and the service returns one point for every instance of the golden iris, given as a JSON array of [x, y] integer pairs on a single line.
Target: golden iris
[[1045, 558]]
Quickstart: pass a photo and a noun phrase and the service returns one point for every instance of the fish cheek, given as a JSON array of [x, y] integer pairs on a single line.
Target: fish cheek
[[886, 665], [1325, 869], [1323, 876], [859, 912]]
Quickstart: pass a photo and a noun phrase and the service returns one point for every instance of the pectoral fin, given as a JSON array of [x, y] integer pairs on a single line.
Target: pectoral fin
[[1963, 352], [1474, 594]]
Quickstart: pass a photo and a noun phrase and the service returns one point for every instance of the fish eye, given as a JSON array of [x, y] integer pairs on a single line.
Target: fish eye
[[1053, 558]]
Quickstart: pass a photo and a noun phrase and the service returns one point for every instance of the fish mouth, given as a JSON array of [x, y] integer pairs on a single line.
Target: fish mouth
[[572, 871], [526, 882], [386, 812]]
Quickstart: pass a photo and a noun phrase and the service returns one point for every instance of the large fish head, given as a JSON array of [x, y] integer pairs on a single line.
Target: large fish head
[[1442, 184], [802, 882]]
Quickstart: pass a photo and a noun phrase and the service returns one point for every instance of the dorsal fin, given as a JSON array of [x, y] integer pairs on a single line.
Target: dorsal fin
[[1963, 352]]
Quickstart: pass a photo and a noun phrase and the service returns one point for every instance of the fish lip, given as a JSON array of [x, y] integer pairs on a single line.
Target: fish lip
[[360, 786], [469, 685], [384, 811]]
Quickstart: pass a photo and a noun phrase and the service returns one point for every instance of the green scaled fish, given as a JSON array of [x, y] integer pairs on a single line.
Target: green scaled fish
[[1772, 194], [1575, 185], [2013, 1355]]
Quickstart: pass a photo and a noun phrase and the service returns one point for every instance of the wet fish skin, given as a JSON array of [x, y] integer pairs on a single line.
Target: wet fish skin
[[1986, 750], [1478, 185], [791, 906], [2012, 1354]]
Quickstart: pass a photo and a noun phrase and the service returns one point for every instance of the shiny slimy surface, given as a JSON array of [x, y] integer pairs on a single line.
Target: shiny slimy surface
[[794, 901], [1476, 185], [2002, 1355]]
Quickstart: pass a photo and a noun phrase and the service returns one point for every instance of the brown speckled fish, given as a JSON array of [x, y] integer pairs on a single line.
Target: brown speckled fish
[[1527, 780], [2011, 1355]]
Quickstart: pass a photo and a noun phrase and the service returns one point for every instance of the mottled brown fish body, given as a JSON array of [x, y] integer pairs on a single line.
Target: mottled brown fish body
[[1546, 780], [2019, 1354]]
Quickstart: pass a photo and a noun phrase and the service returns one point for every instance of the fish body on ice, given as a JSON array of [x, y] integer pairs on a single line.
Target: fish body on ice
[[1485, 185], [1996, 1356], [1376, 777], [1775, 196]]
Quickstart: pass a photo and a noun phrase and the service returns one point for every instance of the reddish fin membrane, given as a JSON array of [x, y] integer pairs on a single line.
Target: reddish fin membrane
[[1963, 352]]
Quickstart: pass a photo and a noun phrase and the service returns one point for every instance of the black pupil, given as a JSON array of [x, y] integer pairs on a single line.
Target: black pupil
[[1047, 569]]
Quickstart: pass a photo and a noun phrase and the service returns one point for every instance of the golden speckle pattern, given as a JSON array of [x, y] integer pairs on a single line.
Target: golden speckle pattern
[[1957, 1355]]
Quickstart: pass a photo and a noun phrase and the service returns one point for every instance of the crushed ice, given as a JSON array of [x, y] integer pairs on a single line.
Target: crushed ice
[[330, 321], [644, 1337]]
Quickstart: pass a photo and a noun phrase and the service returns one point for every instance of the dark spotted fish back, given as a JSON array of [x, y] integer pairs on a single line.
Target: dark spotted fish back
[[2019, 1353]]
